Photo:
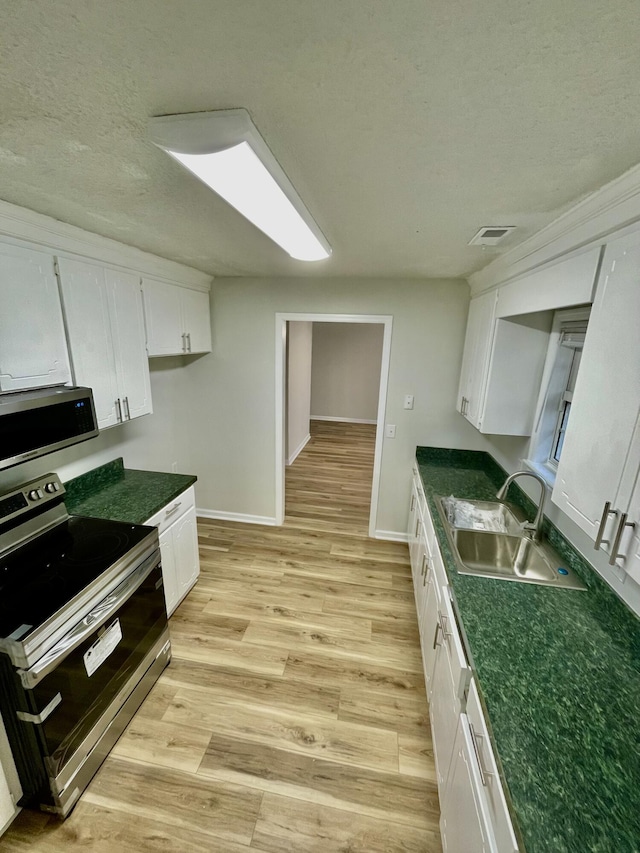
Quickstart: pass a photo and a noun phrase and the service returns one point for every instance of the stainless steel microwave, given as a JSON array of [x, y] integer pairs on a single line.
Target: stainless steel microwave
[[39, 421]]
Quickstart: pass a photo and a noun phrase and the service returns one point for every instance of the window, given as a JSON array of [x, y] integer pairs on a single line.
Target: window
[[558, 384]]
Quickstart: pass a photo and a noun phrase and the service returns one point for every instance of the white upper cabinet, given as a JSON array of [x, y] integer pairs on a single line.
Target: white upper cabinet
[[196, 319], [507, 340], [477, 347], [178, 319], [105, 327], [600, 459], [33, 349], [127, 328]]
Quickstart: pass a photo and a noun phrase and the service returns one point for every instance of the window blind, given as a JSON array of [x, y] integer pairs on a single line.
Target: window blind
[[572, 333]]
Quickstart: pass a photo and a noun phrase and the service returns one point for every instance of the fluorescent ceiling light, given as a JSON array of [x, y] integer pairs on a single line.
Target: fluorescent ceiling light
[[226, 152]]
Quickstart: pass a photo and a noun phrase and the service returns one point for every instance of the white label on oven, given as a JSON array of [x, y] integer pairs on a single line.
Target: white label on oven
[[95, 656]]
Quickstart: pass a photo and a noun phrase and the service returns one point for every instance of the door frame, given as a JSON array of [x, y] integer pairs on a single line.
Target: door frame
[[385, 320]]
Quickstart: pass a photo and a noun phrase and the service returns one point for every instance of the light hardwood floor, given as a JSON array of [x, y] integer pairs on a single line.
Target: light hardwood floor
[[292, 718]]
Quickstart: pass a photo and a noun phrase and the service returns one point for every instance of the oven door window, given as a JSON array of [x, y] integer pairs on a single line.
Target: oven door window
[[91, 676]]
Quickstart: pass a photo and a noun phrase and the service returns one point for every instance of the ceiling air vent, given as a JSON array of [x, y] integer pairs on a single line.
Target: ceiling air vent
[[491, 235]]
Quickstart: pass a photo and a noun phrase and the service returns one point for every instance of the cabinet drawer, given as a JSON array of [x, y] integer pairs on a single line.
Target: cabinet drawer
[[500, 819], [165, 517]]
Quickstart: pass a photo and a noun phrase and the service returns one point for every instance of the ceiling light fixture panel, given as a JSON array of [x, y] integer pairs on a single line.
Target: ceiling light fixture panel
[[226, 152]]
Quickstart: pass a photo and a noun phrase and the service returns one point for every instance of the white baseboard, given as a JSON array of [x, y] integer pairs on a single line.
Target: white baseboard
[[298, 450], [343, 420], [235, 516], [391, 536]]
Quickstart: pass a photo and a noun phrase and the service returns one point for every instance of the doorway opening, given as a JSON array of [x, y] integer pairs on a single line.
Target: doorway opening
[[330, 423]]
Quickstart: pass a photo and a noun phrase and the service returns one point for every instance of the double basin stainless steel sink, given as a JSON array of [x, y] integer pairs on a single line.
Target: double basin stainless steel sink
[[487, 538]]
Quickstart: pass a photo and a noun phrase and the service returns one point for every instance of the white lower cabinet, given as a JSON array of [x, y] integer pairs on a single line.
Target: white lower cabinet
[[475, 817], [496, 803], [10, 788], [177, 528], [465, 822], [451, 675]]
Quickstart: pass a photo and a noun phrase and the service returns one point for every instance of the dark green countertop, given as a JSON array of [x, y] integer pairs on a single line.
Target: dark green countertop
[[559, 675], [123, 494]]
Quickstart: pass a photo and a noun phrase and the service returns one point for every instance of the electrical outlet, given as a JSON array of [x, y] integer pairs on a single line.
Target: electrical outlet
[[390, 431], [408, 401], [174, 467]]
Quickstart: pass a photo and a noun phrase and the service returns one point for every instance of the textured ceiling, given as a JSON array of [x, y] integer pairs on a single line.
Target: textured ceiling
[[404, 126]]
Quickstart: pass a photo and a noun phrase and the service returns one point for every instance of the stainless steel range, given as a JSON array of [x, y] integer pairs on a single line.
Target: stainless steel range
[[83, 637]]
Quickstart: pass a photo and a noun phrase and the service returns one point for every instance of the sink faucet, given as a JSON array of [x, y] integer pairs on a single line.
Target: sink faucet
[[531, 528]]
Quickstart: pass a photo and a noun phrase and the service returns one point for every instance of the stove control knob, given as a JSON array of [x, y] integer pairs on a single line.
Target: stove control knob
[[35, 494], [51, 488]]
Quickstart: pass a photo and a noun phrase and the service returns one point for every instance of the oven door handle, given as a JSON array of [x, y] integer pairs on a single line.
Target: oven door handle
[[100, 614]]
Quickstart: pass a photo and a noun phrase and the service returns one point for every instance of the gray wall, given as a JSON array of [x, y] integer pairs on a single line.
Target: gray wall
[[232, 433], [345, 372]]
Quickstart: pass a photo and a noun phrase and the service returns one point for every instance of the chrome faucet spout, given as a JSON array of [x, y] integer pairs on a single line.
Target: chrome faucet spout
[[532, 528]]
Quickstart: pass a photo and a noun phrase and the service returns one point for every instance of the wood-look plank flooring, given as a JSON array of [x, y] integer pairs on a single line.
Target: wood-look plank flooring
[[292, 718]]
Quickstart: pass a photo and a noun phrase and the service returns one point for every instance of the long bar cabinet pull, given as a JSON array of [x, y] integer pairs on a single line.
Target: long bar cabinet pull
[[615, 552], [606, 512]]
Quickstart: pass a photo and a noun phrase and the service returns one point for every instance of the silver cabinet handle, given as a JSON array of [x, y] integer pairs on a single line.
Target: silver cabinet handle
[[425, 569], [616, 542], [172, 510], [435, 636], [475, 737], [606, 512], [413, 503], [126, 408], [184, 342], [417, 526], [119, 410], [38, 719], [189, 340], [91, 622]]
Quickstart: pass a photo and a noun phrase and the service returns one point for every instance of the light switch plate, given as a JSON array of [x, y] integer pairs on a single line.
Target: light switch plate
[[408, 401]]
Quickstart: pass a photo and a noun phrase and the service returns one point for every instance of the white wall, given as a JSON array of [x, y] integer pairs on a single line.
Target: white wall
[[233, 437], [345, 371], [299, 344], [152, 442]]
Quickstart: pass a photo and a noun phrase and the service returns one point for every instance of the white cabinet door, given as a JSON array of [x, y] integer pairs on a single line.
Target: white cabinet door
[[196, 320], [127, 324], [606, 400], [178, 319], [162, 309], [169, 576], [185, 548], [89, 330], [10, 788], [105, 326], [33, 348], [477, 347], [465, 823], [500, 820], [451, 675], [429, 627], [7, 806]]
